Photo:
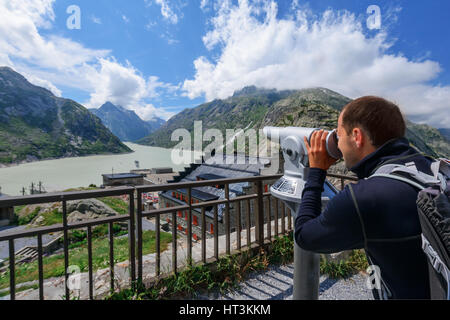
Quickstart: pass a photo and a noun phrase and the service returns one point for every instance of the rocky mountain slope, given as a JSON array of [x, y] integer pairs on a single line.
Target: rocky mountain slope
[[126, 124], [445, 133], [256, 108], [35, 124]]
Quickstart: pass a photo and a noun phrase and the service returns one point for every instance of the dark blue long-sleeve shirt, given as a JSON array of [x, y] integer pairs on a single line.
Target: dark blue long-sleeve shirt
[[386, 225]]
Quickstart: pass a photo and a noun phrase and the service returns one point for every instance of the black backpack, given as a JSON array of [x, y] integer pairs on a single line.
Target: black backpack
[[433, 204]]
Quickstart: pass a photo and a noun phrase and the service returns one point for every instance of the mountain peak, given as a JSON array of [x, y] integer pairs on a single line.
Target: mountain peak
[[252, 90], [124, 123], [11, 79], [107, 106]]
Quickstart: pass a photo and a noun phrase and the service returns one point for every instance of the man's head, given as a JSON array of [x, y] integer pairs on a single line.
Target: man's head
[[365, 124]]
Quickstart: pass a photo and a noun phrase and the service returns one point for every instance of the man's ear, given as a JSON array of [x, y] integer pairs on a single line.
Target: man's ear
[[357, 134]]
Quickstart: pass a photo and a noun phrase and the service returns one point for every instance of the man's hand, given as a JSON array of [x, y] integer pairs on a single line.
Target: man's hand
[[317, 151]]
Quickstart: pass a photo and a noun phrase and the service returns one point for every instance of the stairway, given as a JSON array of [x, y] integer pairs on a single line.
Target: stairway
[[26, 254]]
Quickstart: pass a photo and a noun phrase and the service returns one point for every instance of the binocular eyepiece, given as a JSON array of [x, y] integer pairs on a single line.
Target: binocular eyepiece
[[293, 146], [296, 163]]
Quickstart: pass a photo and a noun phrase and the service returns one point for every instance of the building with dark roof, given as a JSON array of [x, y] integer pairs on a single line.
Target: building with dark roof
[[215, 168], [123, 179]]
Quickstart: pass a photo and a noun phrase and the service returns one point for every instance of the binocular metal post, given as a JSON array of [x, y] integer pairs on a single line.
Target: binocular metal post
[[290, 189], [306, 274]]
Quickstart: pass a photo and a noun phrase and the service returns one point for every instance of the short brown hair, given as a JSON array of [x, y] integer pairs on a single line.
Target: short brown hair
[[382, 120]]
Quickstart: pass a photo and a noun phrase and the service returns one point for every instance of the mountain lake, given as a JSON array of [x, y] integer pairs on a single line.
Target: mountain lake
[[65, 173]]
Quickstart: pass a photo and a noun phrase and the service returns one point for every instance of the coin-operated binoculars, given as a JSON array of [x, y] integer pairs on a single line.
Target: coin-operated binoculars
[[289, 189]]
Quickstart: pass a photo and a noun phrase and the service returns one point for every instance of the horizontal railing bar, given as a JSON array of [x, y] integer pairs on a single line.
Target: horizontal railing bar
[[80, 195], [243, 198], [60, 227], [60, 196], [156, 212], [193, 184], [153, 213]]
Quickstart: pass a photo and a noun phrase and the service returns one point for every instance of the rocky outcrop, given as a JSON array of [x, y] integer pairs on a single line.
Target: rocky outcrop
[[82, 210], [77, 211]]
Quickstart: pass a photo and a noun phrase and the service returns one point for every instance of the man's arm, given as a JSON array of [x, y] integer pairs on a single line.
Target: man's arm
[[338, 228]]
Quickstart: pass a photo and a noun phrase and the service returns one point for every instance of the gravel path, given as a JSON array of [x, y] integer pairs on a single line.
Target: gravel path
[[276, 284]]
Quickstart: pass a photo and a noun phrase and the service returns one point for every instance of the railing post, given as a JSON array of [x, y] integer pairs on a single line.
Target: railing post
[[227, 219], [12, 270], [139, 235], [132, 241], [269, 218], [239, 226], [189, 233], [111, 256], [174, 243], [41, 268], [158, 245], [66, 249], [203, 235], [259, 221], [90, 271], [216, 232]]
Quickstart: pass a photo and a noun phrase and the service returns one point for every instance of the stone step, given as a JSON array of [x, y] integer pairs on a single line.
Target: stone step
[[27, 253]]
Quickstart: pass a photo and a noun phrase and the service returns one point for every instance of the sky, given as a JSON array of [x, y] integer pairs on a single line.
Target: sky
[[159, 57]]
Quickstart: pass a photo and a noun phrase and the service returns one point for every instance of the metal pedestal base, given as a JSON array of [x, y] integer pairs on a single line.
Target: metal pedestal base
[[306, 274]]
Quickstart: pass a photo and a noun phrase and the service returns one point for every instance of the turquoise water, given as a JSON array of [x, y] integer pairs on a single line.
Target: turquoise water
[[67, 173]]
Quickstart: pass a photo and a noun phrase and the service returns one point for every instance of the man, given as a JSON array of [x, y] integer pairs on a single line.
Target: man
[[377, 214]]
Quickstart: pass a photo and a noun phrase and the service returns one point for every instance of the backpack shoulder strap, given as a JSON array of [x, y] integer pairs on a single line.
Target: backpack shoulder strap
[[441, 166], [408, 173]]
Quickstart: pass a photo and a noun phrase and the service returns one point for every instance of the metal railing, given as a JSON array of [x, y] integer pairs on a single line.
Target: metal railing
[[135, 230]]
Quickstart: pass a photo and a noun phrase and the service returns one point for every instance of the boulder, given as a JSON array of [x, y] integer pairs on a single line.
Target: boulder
[[90, 208]]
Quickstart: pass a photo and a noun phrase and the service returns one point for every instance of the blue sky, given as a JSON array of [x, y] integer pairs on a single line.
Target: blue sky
[[159, 57]]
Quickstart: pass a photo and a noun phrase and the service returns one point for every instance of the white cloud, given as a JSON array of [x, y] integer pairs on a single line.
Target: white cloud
[[204, 4], [120, 84], [20, 38], [40, 12], [149, 111], [123, 85], [125, 18], [96, 20], [166, 10], [150, 25], [43, 83], [332, 50], [52, 61]]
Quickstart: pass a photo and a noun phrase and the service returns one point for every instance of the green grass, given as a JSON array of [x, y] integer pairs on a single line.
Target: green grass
[[52, 217], [17, 209], [54, 265], [229, 271], [117, 204], [29, 217], [344, 269]]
